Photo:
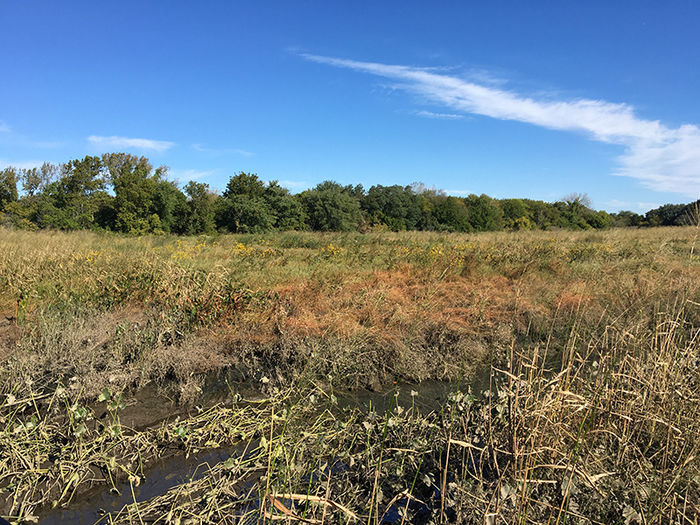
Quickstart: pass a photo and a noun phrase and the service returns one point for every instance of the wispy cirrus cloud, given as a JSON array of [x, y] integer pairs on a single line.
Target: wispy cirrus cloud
[[639, 207], [21, 164], [439, 116], [127, 142], [294, 184], [222, 151], [4, 128], [190, 174], [662, 158]]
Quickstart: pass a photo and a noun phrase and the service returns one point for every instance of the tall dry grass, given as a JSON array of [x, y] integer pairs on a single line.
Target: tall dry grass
[[389, 306], [611, 435], [592, 415]]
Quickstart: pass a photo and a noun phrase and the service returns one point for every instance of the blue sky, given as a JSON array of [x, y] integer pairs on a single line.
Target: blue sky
[[511, 99]]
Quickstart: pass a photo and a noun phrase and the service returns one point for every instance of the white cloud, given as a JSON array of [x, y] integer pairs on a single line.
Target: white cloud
[[4, 128], [294, 184], [485, 77], [661, 158], [126, 142], [188, 175], [442, 116], [222, 151], [639, 207], [21, 165]]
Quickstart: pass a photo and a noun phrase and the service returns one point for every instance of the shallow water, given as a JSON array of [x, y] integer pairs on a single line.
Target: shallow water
[[150, 407], [426, 396], [92, 506]]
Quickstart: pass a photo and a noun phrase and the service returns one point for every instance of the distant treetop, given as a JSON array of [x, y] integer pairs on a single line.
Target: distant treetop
[[122, 192]]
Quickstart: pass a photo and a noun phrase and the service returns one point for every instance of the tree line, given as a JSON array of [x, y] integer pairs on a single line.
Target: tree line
[[124, 193]]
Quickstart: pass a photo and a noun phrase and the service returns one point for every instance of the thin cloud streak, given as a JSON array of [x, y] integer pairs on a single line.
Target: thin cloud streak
[[222, 151], [294, 184], [190, 174], [21, 165], [640, 207], [661, 158], [126, 142], [4, 128], [440, 116]]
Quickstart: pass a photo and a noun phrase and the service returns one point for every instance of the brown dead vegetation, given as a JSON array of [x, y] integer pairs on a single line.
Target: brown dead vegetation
[[9, 335]]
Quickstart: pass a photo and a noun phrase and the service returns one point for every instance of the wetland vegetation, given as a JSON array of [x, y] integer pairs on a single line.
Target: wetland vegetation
[[567, 366]]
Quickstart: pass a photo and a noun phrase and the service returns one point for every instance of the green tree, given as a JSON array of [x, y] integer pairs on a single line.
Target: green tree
[[543, 214], [287, 210], [451, 214], [245, 206], [35, 180], [599, 219], [395, 206], [666, 215], [144, 200], [516, 214], [484, 214], [689, 215], [625, 218], [134, 189], [71, 202], [245, 184], [8, 186], [200, 208], [574, 209], [331, 207], [244, 214], [170, 204]]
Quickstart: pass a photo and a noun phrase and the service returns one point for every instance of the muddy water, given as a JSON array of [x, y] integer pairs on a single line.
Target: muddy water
[[150, 407], [426, 396], [93, 506]]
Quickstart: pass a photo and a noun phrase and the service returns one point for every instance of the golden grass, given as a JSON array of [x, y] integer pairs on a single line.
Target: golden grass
[[593, 337], [406, 294]]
